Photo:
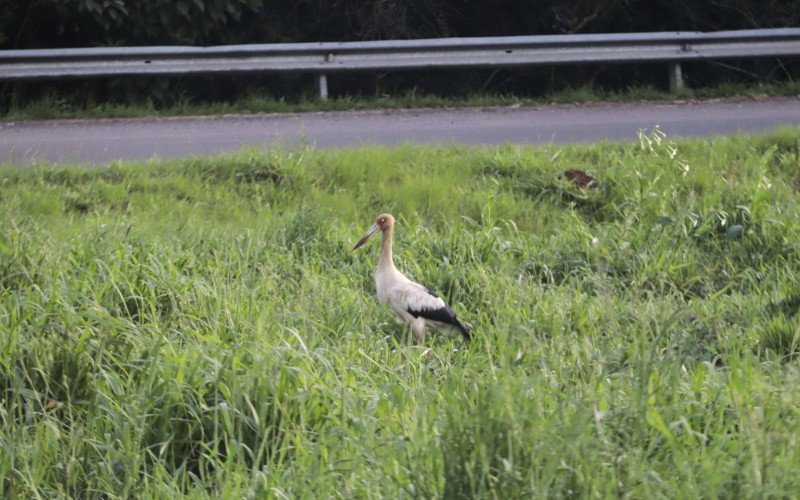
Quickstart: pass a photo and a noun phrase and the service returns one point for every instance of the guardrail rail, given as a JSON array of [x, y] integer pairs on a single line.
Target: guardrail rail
[[325, 58]]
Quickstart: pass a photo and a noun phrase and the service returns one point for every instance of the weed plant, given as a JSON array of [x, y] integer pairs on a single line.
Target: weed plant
[[200, 327]]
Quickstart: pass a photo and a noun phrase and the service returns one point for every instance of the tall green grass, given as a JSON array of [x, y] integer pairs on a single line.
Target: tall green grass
[[200, 327]]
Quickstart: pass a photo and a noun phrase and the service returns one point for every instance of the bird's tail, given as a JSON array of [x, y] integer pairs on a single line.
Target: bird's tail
[[465, 329]]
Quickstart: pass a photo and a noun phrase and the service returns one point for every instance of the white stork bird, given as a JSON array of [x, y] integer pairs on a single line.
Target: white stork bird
[[413, 303]]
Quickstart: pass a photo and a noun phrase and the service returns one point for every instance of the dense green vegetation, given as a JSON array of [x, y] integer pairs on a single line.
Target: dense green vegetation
[[201, 327], [64, 23]]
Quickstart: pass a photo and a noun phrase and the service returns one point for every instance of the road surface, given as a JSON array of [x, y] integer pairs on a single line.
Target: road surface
[[103, 141]]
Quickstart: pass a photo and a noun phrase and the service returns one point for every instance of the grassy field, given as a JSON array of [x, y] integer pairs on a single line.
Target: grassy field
[[200, 327]]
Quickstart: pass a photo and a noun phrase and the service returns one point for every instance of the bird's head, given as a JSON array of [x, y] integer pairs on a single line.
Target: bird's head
[[382, 223]]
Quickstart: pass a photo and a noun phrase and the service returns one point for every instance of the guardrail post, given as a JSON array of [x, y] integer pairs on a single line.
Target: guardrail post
[[322, 86], [675, 77]]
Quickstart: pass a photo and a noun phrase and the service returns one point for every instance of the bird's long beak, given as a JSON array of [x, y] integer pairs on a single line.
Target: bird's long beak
[[374, 229]]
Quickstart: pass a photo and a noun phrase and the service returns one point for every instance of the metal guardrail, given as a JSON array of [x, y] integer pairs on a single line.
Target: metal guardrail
[[333, 57]]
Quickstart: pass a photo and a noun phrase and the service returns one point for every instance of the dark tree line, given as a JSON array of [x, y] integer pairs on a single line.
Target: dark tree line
[[81, 23], [72, 23]]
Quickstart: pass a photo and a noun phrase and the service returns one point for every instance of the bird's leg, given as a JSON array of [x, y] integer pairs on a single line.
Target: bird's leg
[[419, 332]]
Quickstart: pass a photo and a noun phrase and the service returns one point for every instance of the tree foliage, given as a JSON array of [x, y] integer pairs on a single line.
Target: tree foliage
[[69, 23]]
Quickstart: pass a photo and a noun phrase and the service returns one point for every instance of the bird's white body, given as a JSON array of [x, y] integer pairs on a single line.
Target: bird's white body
[[414, 304], [402, 295]]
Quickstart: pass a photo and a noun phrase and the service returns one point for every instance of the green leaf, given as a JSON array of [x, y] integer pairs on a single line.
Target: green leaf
[[183, 8]]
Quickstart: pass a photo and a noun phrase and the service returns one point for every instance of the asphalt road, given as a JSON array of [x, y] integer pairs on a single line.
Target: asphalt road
[[102, 141]]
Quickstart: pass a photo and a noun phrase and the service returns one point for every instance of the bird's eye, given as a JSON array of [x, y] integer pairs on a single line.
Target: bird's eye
[[383, 219]]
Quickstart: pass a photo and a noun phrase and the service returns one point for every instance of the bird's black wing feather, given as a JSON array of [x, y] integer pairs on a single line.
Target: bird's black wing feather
[[442, 314]]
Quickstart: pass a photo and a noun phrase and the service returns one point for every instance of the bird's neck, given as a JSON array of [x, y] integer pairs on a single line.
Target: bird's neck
[[386, 261]]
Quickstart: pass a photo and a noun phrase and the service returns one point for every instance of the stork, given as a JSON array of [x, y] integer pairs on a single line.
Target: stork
[[414, 304]]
